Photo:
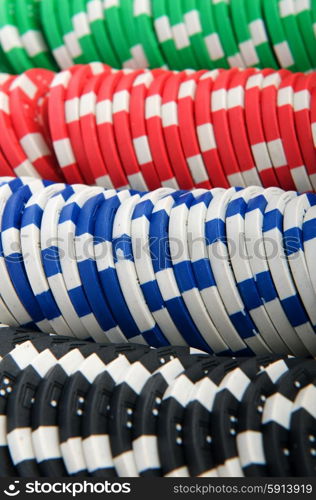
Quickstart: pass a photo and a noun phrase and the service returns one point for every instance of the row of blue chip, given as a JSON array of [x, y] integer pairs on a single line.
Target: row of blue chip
[[226, 271]]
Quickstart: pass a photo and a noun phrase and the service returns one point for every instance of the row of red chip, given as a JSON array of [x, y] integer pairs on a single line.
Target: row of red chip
[[145, 129]]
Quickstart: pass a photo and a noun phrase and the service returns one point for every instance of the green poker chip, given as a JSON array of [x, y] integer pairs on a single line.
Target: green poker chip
[[304, 19], [117, 36], [10, 39], [82, 30], [245, 42], [98, 29], [63, 14], [164, 34], [280, 44], [129, 27], [53, 34], [192, 19], [224, 28], [211, 37], [288, 18], [259, 35], [5, 66], [29, 26], [180, 35], [144, 27]]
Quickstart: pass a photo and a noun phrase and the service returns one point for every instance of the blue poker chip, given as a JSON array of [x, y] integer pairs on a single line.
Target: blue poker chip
[[184, 274], [19, 315], [216, 237], [106, 267], [162, 263], [262, 274], [279, 267], [88, 270], [10, 248], [51, 259], [294, 246], [239, 257], [126, 272], [203, 273], [145, 270], [30, 243], [66, 245]]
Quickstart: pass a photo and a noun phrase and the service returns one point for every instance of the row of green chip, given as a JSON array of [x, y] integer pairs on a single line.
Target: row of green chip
[[175, 34]]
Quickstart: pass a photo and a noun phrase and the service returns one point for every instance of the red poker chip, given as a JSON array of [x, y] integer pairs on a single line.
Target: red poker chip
[[313, 115], [138, 129], [193, 156], [302, 116], [205, 129], [122, 129], [255, 129], [87, 111], [73, 93], [271, 127], [221, 128], [57, 126], [153, 122], [105, 130], [24, 95], [170, 126], [285, 103], [238, 126], [9, 142]]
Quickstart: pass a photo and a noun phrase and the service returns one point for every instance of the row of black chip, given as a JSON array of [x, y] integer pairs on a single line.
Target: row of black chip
[[72, 408]]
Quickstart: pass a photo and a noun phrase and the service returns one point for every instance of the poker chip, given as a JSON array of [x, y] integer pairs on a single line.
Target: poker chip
[[145, 442], [45, 411], [144, 267], [78, 409], [249, 438], [82, 30], [87, 114], [54, 35], [275, 427], [158, 34], [261, 272], [124, 264], [125, 396], [67, 32], [12, 252], [171, 417], [238, 126], [302, 429], [19, 411], [246, 284], [28, 23], [280, 267], [95, 428], [285, 105], [84, 248], [149, 129], [148, 267]]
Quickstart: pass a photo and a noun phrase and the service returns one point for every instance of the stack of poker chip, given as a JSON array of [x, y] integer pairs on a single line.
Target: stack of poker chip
[[141, 129], [71, 408], [158, 33], [229, 272]]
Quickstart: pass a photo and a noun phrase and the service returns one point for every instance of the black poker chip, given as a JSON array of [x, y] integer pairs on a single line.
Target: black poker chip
[[123, 405], [147, 412], [72, 402], [276, 418], [303, 432], [77, 408], [11, 366], [249, 437], [172, 414]]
